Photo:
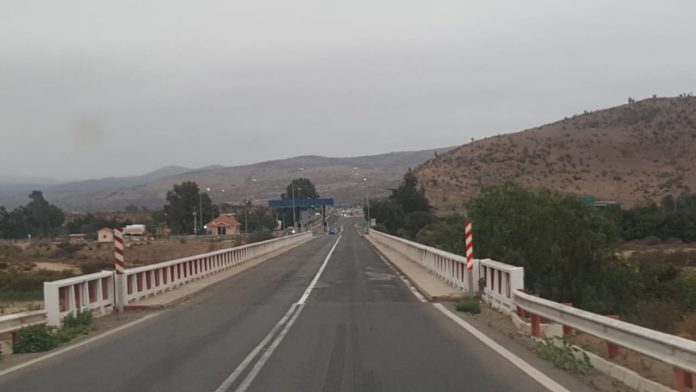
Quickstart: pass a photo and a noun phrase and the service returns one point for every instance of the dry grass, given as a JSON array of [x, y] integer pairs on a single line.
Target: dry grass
[[630, 153]]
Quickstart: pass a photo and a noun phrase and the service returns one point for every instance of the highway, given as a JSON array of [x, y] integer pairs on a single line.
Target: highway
[[282, 326]]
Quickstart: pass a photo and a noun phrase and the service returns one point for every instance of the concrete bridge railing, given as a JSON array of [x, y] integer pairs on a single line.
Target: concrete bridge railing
[[97, 291]]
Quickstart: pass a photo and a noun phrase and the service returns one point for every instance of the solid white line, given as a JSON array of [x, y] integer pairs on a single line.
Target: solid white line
[[407, 282], [299, 305], [309, 289], [540, 377], [242, 366], [74, 346], [267, 354]]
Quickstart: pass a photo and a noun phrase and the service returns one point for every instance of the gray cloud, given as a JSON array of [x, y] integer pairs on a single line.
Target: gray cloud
[[143, 85]]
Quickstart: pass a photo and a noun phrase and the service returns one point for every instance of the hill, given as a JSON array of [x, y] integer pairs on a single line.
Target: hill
[[633, 153], [340, 178]]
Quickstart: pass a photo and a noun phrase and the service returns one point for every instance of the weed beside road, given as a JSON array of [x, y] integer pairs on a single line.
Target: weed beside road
[[39, 338]]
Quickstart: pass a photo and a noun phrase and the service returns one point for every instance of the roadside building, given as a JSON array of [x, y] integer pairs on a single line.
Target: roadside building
[[105, 235], [134, 231], [76, 238], [224, 224]]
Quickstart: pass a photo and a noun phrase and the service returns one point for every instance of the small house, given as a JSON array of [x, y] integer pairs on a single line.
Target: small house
[[105, 235], [224, 224]]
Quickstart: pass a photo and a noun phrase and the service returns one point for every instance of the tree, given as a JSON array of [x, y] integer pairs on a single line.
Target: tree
[[42, 218], [386, 213], [183, 199], [564, 246], [406, 201], [302, 189], [260, 219], [408, 196], [446, 233], [3, 222]]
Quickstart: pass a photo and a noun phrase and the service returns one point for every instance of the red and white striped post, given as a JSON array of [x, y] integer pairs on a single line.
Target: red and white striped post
[[119, 266], [469, 243]]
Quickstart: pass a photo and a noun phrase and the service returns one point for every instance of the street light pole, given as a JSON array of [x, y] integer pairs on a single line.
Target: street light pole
[[294, 221], [367, 201], [246, 206], [200, 209]]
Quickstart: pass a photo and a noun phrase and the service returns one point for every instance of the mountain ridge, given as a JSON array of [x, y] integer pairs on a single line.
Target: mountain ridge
[[334, 176], [633, 153]]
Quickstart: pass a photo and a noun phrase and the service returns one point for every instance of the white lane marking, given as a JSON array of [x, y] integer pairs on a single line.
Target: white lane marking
[[299, 305], [540, 377], [304, 297], [267, 354], [242, 366], [80, 344], [401, 276]]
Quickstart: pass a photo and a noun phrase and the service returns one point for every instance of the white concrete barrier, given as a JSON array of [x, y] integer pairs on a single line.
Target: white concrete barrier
[[93, 292], [149, 280], [447, 266], [500, 281], [96, 291]]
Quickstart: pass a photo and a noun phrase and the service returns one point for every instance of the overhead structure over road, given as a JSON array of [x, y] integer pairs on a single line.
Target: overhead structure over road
[[303, 203]]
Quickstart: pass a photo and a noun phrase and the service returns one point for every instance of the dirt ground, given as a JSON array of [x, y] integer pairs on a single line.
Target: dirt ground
[[502, 323], [646, 367]]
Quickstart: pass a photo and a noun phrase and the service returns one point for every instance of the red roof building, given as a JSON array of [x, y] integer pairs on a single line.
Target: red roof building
[[224, 224]]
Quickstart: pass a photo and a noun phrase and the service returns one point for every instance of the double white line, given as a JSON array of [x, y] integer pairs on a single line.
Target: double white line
[[284, 326]]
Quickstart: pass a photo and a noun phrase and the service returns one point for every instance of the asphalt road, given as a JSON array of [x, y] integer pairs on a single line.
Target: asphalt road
[[359, 329]]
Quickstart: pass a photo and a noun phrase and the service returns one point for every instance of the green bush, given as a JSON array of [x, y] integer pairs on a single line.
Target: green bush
[[39, 338], [89, 268], [80, 320], [686, 288], [259, 236], [469, 305], [34, 339], [563, 355]]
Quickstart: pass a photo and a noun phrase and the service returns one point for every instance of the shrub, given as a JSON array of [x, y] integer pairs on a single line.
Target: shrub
[[79, 320], [259, 236], [34, 339], [686, 289], [89, 268], [563, 355], [469, 305]]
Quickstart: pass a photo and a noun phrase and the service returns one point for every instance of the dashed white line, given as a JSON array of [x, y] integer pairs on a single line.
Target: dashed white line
[[285, 323]]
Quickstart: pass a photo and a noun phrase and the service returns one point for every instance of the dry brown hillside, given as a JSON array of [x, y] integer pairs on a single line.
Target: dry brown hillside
[[632, 153]]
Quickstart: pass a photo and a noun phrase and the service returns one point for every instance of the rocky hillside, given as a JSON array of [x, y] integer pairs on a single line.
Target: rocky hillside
[[633, 153]]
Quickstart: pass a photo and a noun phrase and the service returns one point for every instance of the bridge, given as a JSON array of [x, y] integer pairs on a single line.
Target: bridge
[[315, 312]]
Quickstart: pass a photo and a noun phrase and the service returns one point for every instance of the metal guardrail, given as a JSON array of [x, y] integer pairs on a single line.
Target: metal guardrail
[[670, 349], [15, 322], [447, 266]]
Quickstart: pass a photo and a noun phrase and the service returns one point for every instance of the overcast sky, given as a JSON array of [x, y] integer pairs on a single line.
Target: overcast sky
[[96, 88]]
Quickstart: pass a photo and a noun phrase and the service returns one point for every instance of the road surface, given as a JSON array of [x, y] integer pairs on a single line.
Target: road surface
[[358, 329]]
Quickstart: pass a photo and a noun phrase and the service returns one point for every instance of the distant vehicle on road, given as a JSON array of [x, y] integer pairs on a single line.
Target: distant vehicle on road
[[332, 231]]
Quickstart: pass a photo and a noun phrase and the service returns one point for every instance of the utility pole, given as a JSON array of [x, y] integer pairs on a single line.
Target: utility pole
[[195, 224], [294, 221], [200, 208]]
